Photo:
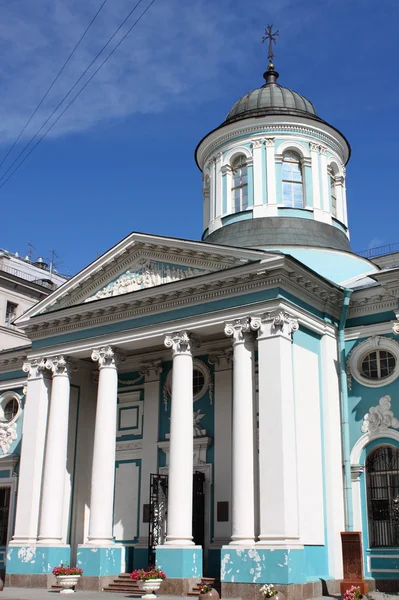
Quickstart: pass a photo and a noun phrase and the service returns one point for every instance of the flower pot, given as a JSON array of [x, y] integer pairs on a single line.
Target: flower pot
[[212, 595], [279, 596], [150, 586], [67, 582]]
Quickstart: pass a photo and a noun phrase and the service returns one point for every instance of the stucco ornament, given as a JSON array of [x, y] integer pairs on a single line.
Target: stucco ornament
[[197, 417], [150, 274], [8, 435], [380, 418]]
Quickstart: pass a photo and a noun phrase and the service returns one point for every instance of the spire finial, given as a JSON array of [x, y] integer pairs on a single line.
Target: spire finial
[[271, 37]]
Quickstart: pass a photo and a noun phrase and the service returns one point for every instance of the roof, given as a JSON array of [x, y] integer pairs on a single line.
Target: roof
[[271, 98]]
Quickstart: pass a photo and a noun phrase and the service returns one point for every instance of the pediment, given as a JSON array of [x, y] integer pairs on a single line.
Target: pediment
[[148, 273], [138, 262]]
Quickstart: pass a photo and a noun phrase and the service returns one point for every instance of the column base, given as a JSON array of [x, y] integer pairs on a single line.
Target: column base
[[179, 562], [36, 559], [99, 561], [262, 565]]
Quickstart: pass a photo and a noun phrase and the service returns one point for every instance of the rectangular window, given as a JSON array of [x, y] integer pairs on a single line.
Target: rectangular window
[[11, 312]]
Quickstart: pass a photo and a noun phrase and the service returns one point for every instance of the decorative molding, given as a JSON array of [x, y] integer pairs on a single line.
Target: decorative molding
[[151, 369], [131, 381], [201, 444], [248, 278], [180, 342], [356, 472], [239, 330], [217, 140], [107, 357], [149, 275], [314, 147], [8, 435], [34, 368], [366, 438], [275, 323], [358, 353], [222, 359], [395, 327], [258, 143], [269, 141], [380, 418], [61, 366], [197, 417]]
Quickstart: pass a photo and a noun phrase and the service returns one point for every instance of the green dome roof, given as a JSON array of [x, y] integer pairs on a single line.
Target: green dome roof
[[270, 99]]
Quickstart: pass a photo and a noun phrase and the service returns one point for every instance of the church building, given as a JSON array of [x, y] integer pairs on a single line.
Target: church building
[[227, 407]]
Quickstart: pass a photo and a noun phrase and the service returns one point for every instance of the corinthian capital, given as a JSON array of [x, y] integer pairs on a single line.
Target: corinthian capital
[[181, 342], [61, 366], [274, 323], [151, 369], [106, 357], [34, 368]]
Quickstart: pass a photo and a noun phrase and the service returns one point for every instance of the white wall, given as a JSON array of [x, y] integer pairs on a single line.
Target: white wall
[[309, 450]]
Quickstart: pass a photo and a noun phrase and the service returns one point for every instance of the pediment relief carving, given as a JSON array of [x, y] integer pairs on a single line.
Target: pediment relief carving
[[149, 274]]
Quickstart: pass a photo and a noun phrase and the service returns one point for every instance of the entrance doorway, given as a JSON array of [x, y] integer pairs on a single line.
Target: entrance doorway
[[158, 513]]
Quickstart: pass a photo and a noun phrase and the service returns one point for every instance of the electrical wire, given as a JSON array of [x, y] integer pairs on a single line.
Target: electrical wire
[[52, 83], [69, 92], [80, 91]]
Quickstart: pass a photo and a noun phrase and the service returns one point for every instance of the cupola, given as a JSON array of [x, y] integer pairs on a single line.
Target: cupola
[[274, 174]]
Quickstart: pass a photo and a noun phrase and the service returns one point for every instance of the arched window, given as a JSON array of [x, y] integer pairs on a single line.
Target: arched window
[[333, 191], [239, 188], [292, 180], [382, 473]]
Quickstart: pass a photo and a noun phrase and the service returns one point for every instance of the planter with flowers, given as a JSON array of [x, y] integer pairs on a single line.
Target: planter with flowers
[[207, 592], [67, 578], [353, 593], [269, 591], [150, 580]]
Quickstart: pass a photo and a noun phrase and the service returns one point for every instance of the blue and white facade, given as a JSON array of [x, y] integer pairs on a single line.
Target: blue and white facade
[[263, 360]]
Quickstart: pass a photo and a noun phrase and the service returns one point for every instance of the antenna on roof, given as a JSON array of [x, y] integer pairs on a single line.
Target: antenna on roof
[[53, 263], [31, 248]]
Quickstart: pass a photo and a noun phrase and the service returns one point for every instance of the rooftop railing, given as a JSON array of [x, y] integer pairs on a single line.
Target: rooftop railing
[[27, 277]]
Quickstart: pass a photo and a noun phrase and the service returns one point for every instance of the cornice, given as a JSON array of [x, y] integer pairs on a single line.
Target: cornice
[[215, 143], [13, 360], [214, 286], [371, 301]]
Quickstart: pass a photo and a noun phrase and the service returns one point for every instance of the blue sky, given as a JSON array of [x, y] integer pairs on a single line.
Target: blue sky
[[121, 158]]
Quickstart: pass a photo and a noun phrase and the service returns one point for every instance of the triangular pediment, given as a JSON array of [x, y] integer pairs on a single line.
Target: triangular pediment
[[146, 274], [138, 262]]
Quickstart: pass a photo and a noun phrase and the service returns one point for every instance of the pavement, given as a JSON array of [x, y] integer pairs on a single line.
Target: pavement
[[12, 593]]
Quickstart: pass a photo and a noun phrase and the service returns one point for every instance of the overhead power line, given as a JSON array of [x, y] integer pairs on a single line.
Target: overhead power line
[[52, 83], [70, 90]]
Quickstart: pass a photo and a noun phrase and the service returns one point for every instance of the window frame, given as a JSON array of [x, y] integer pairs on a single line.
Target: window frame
[[292, 182], [8, 320], [360, 351], [242, 186]]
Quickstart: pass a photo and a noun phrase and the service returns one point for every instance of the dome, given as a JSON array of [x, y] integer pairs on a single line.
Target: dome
[[271, 99]]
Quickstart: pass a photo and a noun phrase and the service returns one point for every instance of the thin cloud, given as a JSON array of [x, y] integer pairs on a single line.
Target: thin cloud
[[174, 57]]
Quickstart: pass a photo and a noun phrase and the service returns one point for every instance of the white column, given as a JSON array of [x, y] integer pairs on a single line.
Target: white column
[[277, 444], [257, 166], [32, 453], [325, 200], [335, 512], [223, 441], [149, 464], [51, 512], [271, 177], [314, 154], [243, 513], [344, 204], [103, 469], [180, 486], [218, 185], [339, 182]]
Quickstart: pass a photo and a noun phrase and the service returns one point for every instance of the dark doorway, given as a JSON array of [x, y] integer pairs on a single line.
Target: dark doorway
[[4, 513], [158, 512], [198, 508]]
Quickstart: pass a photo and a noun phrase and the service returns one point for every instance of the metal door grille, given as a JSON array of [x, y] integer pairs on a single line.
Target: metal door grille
[[382, 470], [4, 512], [158, 514]]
